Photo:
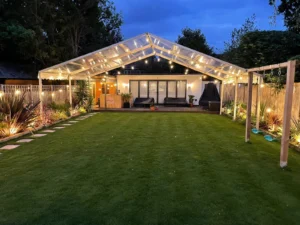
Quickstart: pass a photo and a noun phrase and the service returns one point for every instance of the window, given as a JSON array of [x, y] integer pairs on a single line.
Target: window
[[181, 89], [143, 89], [153, 90], [172, 89], [134, 89], [158, 89]]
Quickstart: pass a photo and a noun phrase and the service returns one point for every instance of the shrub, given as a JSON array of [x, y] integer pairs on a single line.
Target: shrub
[[295, 131], [62, 108], [82, 110], [16, 116], [57, 115]]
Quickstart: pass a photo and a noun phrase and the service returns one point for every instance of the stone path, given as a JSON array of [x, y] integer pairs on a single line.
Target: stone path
[[67, 124]]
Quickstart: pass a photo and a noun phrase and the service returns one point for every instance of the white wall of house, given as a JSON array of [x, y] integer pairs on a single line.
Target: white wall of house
[[195, 85]]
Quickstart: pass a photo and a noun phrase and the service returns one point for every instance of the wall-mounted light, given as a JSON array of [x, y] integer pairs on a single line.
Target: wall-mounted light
[[189, 85], [125, 85]]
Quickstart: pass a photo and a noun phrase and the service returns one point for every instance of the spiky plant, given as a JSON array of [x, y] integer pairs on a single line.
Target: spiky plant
[[274, 121], [16, 114], [84, 96]]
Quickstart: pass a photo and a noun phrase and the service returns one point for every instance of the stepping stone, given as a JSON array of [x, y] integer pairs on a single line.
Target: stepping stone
[[67, 124], [38, 135], [25, 140], [73, 121], [58, 128], [48, 131], [9, 147]]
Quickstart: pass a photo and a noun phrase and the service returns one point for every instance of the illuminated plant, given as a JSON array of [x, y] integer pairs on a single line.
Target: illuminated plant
[[274, 121], [16, 114]]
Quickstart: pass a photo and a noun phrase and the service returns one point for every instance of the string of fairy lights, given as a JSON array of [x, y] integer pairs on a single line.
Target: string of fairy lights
[[120, 55]]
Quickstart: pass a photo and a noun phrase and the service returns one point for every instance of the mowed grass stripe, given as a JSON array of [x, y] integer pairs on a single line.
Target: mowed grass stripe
[[149, 168]]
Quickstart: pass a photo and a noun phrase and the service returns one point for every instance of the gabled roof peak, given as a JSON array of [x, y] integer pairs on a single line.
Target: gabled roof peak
[[139, 48]]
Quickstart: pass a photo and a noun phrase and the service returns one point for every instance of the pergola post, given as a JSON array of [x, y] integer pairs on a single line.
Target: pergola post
[[258, 97], [291, 68], [70, 93], [41, 95], [221, 97], [235, 98], [249, 107]]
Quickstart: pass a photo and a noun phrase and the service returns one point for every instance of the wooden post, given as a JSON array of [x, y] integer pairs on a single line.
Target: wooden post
[[41, 96], [221, 97], [70, 91], [105, 89], [249, 107], [235, 98], [258, 97], [291, 68]]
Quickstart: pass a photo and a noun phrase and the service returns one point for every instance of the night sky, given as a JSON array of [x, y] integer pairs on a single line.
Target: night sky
[[216, 18]]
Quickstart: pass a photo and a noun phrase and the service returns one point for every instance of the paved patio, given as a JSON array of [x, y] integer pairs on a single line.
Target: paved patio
[[195, 109]]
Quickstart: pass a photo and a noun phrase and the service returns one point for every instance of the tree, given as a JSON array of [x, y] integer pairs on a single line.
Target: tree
[[194, 39], [45, 32], [291, 11], [231, 47], [261, 48]]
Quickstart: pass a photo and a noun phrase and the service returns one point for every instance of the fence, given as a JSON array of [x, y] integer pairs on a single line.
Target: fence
[[269, 98], [56, 93]]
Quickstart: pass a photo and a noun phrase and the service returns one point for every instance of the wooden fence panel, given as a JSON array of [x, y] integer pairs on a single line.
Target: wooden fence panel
[[268, 97]]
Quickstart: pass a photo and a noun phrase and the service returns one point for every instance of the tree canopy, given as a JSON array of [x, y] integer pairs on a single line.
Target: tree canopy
[[231, 51], [290, 9], [45, 32], [194, 39], [261, 48]]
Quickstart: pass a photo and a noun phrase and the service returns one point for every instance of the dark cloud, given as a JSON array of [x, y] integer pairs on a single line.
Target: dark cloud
[[216, 18]]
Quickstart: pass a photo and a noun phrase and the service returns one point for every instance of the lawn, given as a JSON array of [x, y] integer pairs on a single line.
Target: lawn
[[149, 168]]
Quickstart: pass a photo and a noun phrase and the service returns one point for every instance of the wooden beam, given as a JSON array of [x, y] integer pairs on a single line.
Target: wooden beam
[[70, 93], [221, 97], [41, 96], [270, 67], [287, 113], [258, 97], [249, 107], [235, 98]]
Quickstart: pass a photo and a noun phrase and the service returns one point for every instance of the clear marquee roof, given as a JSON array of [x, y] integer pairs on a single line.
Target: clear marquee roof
[[139, 48]]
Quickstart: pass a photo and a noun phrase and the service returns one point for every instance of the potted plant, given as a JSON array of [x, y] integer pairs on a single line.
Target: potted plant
[[191, 100], [152, 107], [126, 99]]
